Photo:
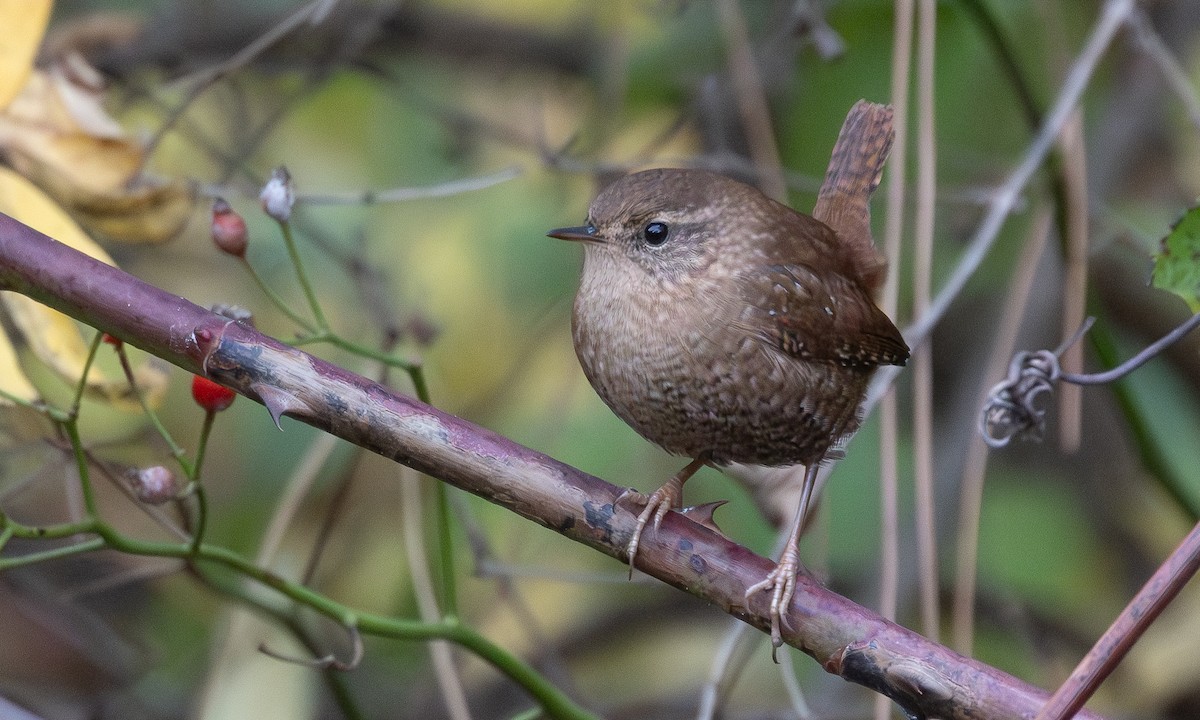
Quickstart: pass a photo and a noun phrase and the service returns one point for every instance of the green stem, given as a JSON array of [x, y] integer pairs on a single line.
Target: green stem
[[416, 372], [86, 546], [360, 350], [555, 703], [202, 445], [81, 386], [176, 451], [5, 395], [71, 427], [414, 368], [47, 532], [197, 487], [302, 276], [449, 590], [276, 300], [201, 516]]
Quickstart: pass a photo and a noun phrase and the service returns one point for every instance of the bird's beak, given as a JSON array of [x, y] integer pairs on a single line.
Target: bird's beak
[[583, 233]]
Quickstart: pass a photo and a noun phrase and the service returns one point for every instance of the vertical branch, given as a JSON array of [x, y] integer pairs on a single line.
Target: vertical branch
[[752, 101], [412, 508], [1114, 16], [971, 493], [1070, 397], [922, 283], [889, 534]]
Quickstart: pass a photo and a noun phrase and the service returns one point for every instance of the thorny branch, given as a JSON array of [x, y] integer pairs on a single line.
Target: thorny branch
[[925, 678]]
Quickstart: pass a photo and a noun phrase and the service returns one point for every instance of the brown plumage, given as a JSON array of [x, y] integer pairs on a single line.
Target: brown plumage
[[729, 328], [746, 335]]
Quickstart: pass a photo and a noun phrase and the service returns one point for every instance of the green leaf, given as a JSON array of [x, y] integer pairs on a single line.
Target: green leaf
[[1177, 264]]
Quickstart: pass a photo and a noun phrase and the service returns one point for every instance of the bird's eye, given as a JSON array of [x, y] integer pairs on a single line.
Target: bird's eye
[[655, 233]]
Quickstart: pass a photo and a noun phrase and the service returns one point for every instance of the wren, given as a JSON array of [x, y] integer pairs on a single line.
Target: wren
[[728, 328]]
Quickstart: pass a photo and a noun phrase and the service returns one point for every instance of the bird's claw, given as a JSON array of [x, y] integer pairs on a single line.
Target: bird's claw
[[657, 504], [782, 582]]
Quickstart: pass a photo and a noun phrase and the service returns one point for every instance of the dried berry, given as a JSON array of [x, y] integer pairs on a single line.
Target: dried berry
[[228, 229]]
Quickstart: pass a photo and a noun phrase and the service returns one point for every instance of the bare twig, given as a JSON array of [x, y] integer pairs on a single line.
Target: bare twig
[[403, 194], [927, 561], [730, 659], [198, 83], [1181, 83], [1074, 290], [1112, 19], [447, 674], [325, 662], [1143, 610], [752, 101], [889, 526], [1147, 354], [971, 493]]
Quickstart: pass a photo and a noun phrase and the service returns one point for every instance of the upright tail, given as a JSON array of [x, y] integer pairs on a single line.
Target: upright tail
[[855, 170]]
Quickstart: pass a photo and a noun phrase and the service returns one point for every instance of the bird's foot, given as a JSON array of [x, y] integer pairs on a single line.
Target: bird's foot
[[657, 504], [782, 583]]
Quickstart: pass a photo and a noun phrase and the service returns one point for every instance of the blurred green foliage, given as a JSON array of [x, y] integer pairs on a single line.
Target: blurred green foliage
[[1065, 539]]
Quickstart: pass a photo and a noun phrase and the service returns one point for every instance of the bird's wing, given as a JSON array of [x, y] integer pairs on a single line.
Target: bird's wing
[[819, 317]]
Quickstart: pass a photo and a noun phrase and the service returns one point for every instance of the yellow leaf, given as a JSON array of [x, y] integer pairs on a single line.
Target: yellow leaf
[[147, 213], [25, 202], [53, 337], [55, 340], [57, 133], [24, 23]]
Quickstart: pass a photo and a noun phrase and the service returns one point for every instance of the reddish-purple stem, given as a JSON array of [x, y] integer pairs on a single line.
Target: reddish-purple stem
[[927, 679]]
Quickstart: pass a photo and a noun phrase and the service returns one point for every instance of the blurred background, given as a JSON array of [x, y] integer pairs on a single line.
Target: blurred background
[[550, 98]]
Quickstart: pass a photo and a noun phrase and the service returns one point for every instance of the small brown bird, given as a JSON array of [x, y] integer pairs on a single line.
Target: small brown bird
[[726, 327]]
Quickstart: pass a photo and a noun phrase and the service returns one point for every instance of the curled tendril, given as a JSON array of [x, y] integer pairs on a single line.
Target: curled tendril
[[1012, 408]]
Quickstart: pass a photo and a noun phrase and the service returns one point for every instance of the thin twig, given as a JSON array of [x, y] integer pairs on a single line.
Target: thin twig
[[732, 655], [389, 195], [412, 509], [889, 530], [927, 562], [1143, 610], [1179, 80], [791, 685], [1074, 287], [1112, 19], [1147, 354], [975, 465], [325, 662], [752, 101], [199, 82]]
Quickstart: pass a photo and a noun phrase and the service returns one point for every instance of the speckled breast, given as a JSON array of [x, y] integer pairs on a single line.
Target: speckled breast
[[693, 383]]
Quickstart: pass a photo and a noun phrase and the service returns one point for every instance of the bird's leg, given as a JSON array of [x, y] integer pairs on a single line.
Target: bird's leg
[[659, 502], [782, 580]]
